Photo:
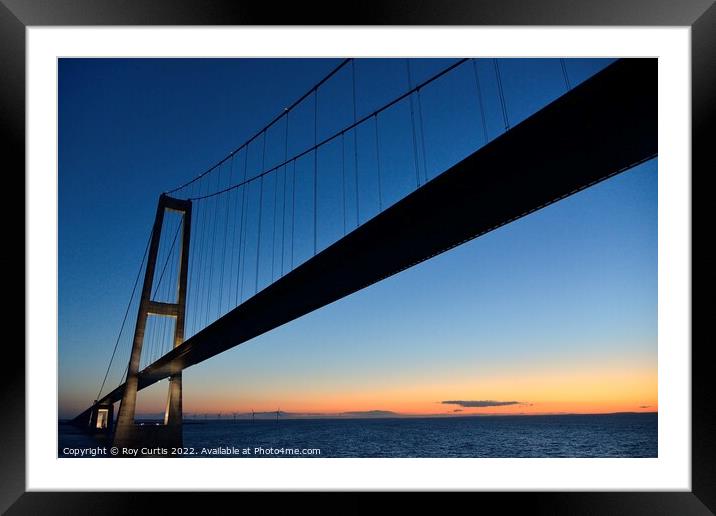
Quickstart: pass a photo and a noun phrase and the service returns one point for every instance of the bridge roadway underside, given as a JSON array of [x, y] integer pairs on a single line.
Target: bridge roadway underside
[[600, 128]]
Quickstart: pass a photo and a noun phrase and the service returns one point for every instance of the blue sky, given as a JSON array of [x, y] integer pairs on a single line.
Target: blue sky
[[569, 288]]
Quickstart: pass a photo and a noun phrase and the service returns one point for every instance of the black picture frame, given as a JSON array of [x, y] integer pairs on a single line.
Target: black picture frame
[[700, 15]]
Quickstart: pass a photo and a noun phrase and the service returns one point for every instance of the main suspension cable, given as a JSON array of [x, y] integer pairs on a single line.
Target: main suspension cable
[[335, 135], [267, 126]]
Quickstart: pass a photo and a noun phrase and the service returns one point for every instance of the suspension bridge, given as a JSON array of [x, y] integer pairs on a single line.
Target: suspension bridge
[[329, 198]]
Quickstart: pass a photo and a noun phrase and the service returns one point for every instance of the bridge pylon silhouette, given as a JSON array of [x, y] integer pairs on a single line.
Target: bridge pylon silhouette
[[127, 432]]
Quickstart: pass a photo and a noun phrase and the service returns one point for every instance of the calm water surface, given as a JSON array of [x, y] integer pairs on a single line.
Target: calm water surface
[[613, 435]]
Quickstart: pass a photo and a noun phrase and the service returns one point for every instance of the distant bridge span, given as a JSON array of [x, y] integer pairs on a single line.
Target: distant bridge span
[[602, 127]]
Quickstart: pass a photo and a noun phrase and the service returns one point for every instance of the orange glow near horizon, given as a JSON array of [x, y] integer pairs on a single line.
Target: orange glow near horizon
[[531, 384], [586, 390], [577, 386]]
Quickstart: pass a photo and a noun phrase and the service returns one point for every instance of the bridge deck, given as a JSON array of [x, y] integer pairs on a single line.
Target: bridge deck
[[600, 128]]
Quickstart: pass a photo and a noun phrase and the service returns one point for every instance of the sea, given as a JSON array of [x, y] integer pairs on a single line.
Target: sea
[[603, 435]]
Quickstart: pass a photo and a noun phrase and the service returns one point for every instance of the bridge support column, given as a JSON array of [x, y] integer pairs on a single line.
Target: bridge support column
[[127, 433]]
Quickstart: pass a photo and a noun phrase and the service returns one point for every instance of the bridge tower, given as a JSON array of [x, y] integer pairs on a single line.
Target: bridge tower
[[127, 433]]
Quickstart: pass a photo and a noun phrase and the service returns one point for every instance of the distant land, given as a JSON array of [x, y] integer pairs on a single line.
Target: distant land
[[357, 414]]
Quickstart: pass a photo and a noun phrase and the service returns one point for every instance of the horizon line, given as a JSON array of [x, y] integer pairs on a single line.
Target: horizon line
[[377, 415]]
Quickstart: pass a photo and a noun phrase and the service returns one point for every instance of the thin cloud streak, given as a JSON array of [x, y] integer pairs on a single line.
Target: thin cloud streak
[[480, 403]]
